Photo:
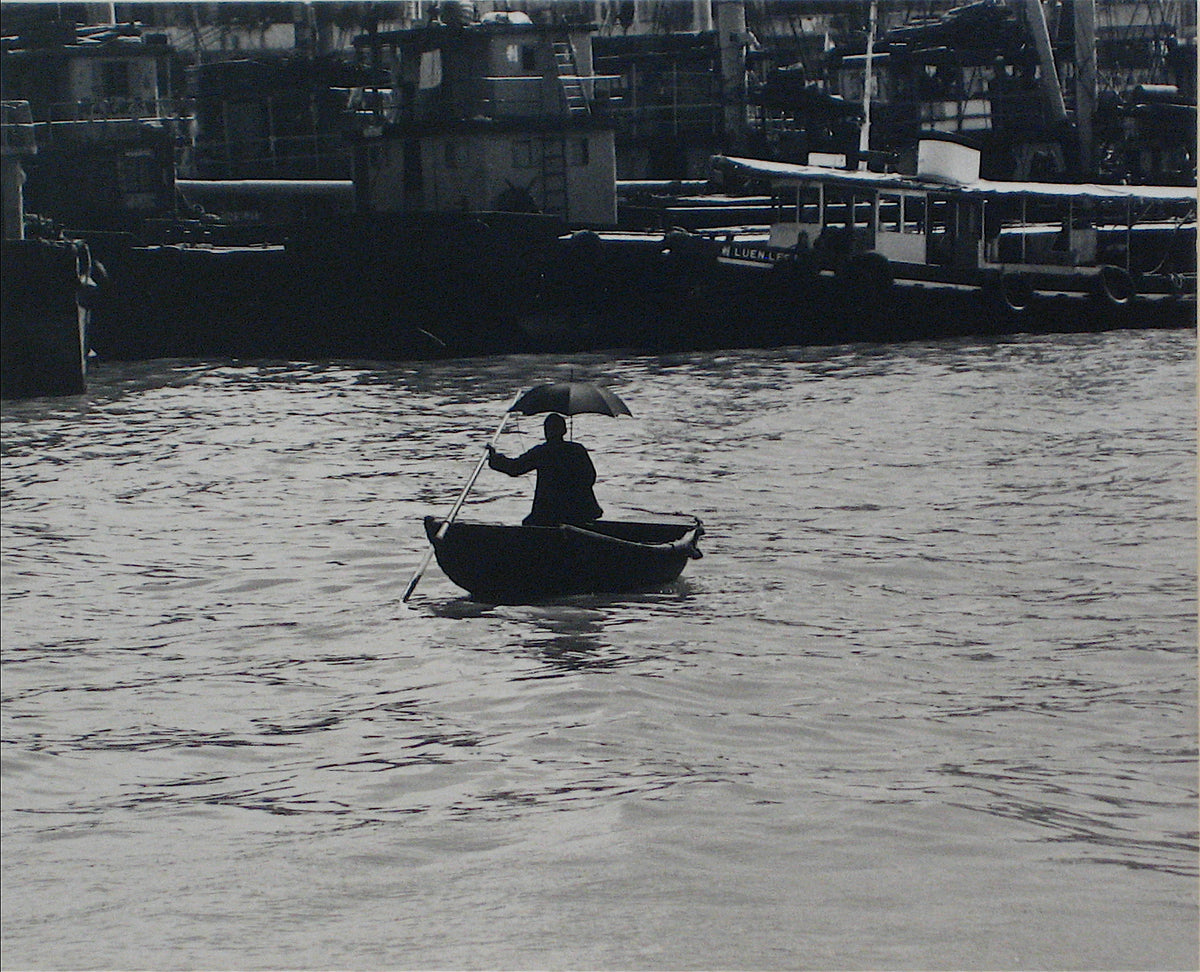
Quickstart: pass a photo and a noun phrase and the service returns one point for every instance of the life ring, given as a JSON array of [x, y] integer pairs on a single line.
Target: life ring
[[1015, 292], [1115, 286]]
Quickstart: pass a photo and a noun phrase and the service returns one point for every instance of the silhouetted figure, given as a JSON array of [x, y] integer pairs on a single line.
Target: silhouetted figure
[[565, 476]]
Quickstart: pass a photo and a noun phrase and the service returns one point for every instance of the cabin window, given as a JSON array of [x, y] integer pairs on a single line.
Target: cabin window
[[1109, 213], [577, 151], [786, 205], [512, 53], [864, 210], [430, 71], [889, 213], [1044, 211], [528, 57], [968, 222], [809, 204], [837, 206], [522, 154], [779, 205], [783, 205], [941, 216], [913, 219]]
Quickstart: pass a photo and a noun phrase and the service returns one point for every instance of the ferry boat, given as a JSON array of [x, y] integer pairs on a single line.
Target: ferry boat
[[1016, 255]]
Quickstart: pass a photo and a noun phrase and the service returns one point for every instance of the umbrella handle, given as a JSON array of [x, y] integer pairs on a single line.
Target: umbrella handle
[[412, 584]]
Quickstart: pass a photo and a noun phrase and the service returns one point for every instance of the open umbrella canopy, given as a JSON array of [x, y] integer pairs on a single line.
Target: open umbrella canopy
[[570, 398]]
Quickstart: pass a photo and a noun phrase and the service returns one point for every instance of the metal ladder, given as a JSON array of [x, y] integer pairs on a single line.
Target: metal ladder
[[568, 76], [554, 176]]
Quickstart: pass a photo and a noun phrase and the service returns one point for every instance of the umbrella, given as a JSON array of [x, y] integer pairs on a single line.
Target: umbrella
[[570, 398]]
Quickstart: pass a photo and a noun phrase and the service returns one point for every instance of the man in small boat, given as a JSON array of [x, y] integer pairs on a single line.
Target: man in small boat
[[565, 476]]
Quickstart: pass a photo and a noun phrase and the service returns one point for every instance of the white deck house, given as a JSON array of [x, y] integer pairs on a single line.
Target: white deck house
[[500, 115]]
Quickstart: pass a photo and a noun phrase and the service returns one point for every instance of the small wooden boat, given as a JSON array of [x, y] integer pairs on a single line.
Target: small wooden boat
[[511, 564]]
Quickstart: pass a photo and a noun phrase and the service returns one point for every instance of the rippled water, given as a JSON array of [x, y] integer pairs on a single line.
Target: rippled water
[[929, 700]]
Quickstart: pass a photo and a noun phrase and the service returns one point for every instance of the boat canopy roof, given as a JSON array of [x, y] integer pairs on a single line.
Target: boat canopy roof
[[790, 173]]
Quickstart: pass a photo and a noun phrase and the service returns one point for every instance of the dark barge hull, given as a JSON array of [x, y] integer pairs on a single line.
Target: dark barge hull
[[367, 287], [460, 286], [676, 293], [43, 320], [516, 564]]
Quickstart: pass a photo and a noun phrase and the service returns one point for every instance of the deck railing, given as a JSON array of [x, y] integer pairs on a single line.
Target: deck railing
[[116, 109], [326, 155]]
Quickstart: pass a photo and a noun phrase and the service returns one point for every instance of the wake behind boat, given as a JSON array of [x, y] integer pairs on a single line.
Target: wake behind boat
[[502, 563]]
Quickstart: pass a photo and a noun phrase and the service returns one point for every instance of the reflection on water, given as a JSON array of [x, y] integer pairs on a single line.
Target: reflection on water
[[571, 642], [928, 701]]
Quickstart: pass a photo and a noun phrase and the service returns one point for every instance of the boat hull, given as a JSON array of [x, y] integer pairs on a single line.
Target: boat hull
[[43, 318], [507, 564]]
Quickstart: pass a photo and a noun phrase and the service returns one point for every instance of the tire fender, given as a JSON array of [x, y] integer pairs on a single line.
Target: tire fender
[[1015, 292], [1115, 286], [87, 287]]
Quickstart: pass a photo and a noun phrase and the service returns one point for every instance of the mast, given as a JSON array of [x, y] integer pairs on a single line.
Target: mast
[[1056, 110], [731, 27], [643, 17], [864, 132], [1085, 80]]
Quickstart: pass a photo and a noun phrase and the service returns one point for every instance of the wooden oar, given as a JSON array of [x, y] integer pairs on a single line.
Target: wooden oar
[[412, 584]]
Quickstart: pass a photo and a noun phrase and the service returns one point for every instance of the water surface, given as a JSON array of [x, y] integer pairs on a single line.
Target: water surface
[[928, 701]]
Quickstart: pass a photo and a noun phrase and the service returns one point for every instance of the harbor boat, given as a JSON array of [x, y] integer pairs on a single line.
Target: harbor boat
[[851, 255], [505, 564], [885, 245]]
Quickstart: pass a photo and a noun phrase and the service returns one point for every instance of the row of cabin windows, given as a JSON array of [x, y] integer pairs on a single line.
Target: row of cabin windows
[[914, 214], [897, 213], [526, 153]]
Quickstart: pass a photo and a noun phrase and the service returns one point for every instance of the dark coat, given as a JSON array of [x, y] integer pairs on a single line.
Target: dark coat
[[565, 476]]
